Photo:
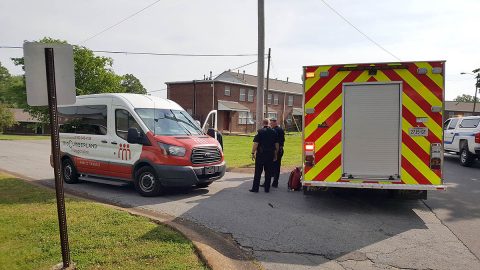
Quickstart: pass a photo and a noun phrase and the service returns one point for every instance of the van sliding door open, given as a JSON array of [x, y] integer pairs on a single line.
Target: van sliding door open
[[371, 131]]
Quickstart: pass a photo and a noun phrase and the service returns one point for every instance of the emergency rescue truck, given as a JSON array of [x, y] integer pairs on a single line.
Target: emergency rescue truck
[[147, 140], [376, 126]]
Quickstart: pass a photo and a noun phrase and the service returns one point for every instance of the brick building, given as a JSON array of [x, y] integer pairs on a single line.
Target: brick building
[[234, 96], [26, 124]]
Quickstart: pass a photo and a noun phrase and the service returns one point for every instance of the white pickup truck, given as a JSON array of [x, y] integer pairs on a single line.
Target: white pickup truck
[[462, 136]]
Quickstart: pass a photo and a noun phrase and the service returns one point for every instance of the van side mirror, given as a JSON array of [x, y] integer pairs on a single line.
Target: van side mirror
[[133, 136]]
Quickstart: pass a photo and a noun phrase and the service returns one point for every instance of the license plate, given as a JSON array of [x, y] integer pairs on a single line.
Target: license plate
[[418, 131], [209, 170]]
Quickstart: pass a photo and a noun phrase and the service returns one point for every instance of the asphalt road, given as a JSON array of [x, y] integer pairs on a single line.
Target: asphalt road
[[287, 230]]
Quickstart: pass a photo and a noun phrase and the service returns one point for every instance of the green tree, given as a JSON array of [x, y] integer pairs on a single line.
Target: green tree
[[132, 84], [7, 118], [465, 98], [93, 75]]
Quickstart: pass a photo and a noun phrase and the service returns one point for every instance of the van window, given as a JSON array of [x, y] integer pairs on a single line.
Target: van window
[[470, 123], [453, 123], [88, 119], [123, 121], [169, 122]]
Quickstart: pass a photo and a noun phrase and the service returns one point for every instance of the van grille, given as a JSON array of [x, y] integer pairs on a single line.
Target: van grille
[[205, 154]]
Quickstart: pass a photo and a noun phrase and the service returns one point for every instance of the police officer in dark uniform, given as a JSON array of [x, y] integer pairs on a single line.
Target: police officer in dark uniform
[[281, 140], [264, 152]]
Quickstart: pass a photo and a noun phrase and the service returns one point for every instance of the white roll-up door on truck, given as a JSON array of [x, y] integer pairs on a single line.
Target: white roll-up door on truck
[[371, 131]]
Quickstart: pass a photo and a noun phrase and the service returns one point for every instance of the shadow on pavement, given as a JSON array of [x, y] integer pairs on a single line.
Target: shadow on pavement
[[462, 197], [329, 224]]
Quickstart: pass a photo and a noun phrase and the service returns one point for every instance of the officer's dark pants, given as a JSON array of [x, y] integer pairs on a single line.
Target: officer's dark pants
[[263, 162], [276, 167]]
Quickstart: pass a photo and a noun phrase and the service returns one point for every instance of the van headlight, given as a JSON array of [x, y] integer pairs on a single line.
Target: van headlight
[[172, 150]]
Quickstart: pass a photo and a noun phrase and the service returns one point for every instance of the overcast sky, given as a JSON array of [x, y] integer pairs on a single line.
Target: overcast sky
[[299, 32]]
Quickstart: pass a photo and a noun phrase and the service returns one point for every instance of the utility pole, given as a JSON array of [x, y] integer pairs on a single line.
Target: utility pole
[[261, 63], [477, 85], [268, 78]]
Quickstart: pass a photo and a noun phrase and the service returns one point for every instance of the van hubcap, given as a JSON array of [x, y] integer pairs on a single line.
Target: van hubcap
[[147, 182]]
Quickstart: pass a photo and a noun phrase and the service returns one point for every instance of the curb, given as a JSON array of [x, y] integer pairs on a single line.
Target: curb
[[216, 250]]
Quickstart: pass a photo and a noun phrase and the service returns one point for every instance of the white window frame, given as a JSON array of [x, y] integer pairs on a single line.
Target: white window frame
[[245, 118], [271, 115], [275, 99], [242, 94], [290, 100], [227, 91], [251, 93], [269, 99]]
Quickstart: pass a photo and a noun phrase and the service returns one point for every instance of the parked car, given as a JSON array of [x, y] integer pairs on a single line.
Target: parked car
[[462, 136]]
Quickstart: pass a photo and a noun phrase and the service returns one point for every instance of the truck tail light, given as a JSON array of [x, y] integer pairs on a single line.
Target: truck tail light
[[309, 154], [477, 138], [436, 156]]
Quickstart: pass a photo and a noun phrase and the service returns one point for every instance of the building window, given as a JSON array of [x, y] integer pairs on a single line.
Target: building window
[[290, 101], [242, 94], [269, 99], [271, 115], [245, 118], [227, 90], [275, 99], [250, 95]]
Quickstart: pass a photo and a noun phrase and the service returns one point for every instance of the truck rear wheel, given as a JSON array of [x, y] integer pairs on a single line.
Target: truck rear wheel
[[466, 158], [69, 172], [147, 183]]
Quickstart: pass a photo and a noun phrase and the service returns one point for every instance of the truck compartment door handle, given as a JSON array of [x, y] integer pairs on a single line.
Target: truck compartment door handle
[[104, 141], [113, 142]]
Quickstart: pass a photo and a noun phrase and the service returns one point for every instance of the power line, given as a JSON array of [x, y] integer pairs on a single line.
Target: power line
[[175, 54], [121, 21], [360, 31], [157, 54]]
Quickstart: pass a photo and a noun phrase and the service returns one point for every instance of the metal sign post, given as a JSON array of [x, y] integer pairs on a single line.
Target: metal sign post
[[52, 105], [48, 68]]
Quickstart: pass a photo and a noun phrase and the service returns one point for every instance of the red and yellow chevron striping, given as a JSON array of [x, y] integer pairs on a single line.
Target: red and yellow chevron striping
[[420, 92]]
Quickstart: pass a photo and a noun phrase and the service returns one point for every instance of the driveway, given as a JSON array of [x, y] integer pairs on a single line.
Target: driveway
[[287, 230]]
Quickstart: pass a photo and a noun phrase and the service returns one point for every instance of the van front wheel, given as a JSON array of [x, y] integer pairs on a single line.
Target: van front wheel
[[147, 182]]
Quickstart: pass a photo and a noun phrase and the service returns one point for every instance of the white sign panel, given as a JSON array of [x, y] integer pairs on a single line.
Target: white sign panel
[[36, 78]]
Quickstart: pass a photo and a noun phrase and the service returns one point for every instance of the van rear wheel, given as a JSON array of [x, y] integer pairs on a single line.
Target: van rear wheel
[[147, 183], [69, 172]]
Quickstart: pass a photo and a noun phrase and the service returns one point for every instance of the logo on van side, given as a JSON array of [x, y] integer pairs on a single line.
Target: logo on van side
[[124, 151]]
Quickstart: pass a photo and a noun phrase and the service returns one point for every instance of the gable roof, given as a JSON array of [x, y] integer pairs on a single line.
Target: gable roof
[[457, 106], [22, 116], [251, 80]]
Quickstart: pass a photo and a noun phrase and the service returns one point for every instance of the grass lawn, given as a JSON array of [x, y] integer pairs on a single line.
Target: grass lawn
[[100, 237], [238, 150], [24, 137]]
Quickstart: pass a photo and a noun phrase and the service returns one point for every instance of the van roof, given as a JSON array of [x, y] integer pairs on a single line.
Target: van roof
[[138, 100]]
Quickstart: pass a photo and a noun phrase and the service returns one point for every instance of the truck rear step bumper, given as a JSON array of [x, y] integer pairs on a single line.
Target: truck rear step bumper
[[372, 185]]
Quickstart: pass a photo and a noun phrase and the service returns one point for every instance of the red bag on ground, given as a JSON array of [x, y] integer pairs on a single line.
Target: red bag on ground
[[294, 182]]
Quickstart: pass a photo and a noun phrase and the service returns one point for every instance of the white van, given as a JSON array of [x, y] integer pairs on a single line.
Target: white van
[[118, 138], [462, 136]]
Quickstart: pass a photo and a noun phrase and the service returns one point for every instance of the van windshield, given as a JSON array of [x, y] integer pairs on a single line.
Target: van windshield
[[169, 122]]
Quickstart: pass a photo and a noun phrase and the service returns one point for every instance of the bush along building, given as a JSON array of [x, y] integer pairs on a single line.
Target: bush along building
[[234, 95]]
